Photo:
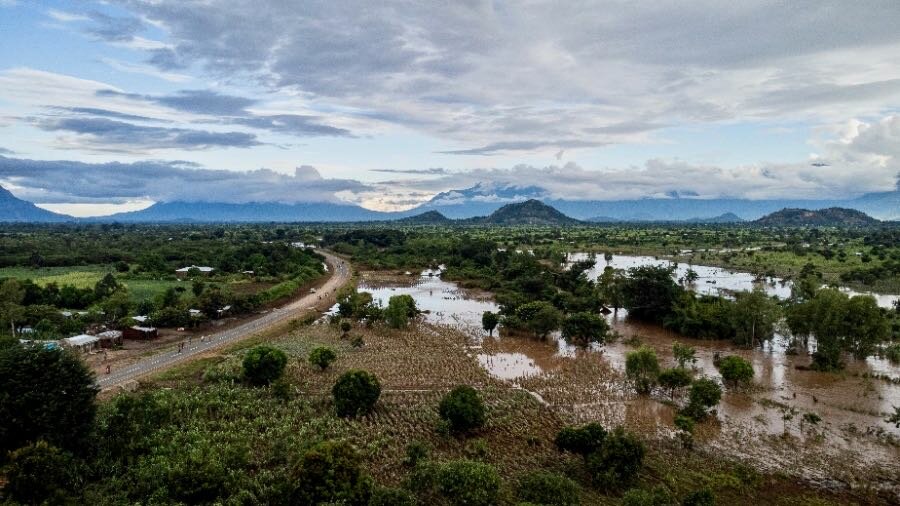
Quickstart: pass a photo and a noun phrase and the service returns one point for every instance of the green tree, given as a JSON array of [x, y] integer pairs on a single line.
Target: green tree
[[582, 440], [704, 394], [546, 488], [735, 370], [399, 310], [322, 357], [642, 368], [616, 463], [753, 316], [392, 496], [106, 286], [463, 409], [585, 328], [539, 317], [355, 393], [684, 354], [650, 292], [332, 472], [45, 394], [469, 483], [263, 365], [674, 379], [39, 474], [11, 297], [489, 322]]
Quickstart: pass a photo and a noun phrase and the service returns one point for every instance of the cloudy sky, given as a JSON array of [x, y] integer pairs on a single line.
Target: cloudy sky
[[113, 105]]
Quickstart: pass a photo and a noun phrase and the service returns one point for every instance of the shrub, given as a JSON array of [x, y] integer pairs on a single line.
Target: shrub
[[416, 451], [702, 497], [642, 367], [684, 354], [399, 310], [618, 460], [355, 393], [735, 370], [390, 496], [39, 473], [469, 483], [550, 489], [705, 393], [489, 322], [322, 357], [263, 365], [463, 409], [332, 472], [44, 395], [673, 379], [657, 496], [581, 440], [357, 342]]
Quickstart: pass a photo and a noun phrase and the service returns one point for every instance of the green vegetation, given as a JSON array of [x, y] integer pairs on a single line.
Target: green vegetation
[[322, 357], [355, 393], [462, 409], [263, 365], [642, 368], [735, 370]]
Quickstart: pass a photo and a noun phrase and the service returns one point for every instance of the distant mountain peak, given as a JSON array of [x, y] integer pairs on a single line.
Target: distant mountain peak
[[13, 209], [529, 212], [830, 217]]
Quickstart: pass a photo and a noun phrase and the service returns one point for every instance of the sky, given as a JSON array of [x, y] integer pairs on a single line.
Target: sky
[[113, 105]]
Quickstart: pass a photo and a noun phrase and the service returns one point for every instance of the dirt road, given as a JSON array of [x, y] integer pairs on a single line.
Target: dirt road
[[340, 273]]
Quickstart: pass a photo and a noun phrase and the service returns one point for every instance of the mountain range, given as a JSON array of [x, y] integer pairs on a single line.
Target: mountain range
[[830, 217], [477, 201]]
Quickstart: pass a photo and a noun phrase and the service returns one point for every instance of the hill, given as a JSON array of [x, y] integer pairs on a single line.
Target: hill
[[830, 217], [216, 212], [530, 212], [722, 218], [16, 209], [426, 218]]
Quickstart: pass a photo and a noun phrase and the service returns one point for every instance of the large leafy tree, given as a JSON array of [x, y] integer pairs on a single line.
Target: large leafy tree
[[11, 296], [355, 393], [649, 292], [753, 316], [45, 394], [584, 328], [264, 364]]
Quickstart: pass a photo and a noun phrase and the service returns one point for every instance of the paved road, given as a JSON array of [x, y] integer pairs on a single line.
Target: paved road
[[340, 274]]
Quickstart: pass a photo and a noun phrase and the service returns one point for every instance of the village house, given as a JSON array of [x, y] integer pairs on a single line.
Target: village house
[[183, 272], [82, 342], [137, 332]]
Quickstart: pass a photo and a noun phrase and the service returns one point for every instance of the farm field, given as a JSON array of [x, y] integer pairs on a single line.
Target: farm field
[[416, 367]]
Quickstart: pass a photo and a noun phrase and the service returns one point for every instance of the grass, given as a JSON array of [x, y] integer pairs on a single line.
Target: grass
[[80, 277]]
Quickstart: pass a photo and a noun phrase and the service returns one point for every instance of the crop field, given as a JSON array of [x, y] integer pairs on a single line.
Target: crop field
[[79, 277], [416, 367]]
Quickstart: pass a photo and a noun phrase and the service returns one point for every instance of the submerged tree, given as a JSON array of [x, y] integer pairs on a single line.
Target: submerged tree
[[489, 322], [585, 328], [642, 368]]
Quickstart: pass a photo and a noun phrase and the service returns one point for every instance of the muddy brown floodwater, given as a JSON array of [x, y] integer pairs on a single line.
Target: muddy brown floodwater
[[852, 445]]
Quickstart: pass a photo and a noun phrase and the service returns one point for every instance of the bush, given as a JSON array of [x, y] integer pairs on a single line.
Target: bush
[[702, 497], [463, 409], [549, 489], [44, 395], [390, 496], [416, 451], [322, 357], [735, 370], [705, 393], [615, 464], [332, 472], [355, 393], [39, 473], [673, 379], [357, 342], [469, 483], [581, 440], [263, 365], [642, 367], [657, 496]]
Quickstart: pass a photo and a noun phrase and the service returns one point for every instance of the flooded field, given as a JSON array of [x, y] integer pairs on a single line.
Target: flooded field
[[715, 280], [852, 445]]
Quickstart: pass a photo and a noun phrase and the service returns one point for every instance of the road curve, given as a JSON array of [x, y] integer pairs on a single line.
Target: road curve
[[340, 274]]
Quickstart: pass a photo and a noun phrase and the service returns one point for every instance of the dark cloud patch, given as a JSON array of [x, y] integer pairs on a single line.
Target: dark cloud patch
[[4, 151], [165, 59], [69, 181], [106, 132], [106, 113], [434, 171], [114, 28], [500, 147], [292, 124], [205, 102], [232, 109]]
